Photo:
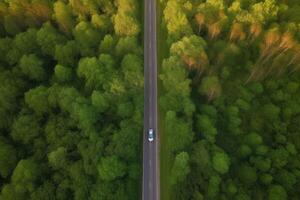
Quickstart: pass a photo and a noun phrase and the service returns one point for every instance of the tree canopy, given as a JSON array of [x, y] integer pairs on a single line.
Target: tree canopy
[[71, 99]]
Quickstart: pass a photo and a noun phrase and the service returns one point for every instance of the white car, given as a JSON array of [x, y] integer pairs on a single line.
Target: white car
[[151, 135]]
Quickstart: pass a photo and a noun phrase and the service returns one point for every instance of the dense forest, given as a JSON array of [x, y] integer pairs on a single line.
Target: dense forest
[[71, 99], [231, 99]]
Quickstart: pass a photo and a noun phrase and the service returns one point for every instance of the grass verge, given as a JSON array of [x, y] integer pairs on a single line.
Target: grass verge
[[162, 52]]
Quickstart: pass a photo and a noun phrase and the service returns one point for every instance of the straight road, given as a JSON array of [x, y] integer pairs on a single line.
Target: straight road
[[150, 149]]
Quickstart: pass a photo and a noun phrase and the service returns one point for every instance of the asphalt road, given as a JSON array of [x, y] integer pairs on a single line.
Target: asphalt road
[[150, 149]]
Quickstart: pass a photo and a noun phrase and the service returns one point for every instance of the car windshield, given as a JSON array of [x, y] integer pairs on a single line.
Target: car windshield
[[150, 133]]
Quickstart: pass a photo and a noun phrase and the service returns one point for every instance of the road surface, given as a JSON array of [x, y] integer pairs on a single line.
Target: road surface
[[150, 149]]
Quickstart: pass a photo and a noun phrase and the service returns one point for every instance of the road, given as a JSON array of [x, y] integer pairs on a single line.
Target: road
[[151, 178]]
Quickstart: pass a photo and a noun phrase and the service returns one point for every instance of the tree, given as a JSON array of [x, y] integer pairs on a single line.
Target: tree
[[23, 43], [247, 174], [37, 99], [253, 139], [286, 179], [265, 11], [111, 168], [8, 158], [11, 25], [102, 22], [48, 37], [213, 186], [99, 101], [206, 127], [4, 43], [177, 84], [67, 54], [132, 69], [277, 192], [92, 71], [233, 119], [58, 158], [32, 67], [180, 168], [25, 175], [176, 20], [210, 86], [179, 132], [221, 162], [201, 156], [45, 191], [125, 21], [11, 88], [192, 51], [125, 109], [9, 193], [126, 25], [261, 163], [279, 157], [63, 16], [25, 129], [86, 37], [271, 112], [107, 44], [63, 73], [125, 141], [266, 179], [128, 45]]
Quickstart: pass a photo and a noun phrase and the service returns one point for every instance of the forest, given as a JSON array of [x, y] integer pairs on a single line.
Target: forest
[[231, 99], [71, 99]]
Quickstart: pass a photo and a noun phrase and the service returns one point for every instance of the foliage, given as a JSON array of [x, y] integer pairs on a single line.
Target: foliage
[[230, 79], [71, 99]]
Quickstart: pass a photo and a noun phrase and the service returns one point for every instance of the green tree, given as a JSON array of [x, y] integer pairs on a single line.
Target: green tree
[[261, 163], [23, 43], [213, 186], [32, 67], [48, 37], [132, 69], [277, 192], [279, 157], [58, 158], [180, 168], [8, 158], [37, 99], [128, 45], [201, 155], [92, 71], [111, 168], [179, 132], [63, 73], [210, 87], [253, 139], [67, 54], [25, 129], [87, 38], [107, 44], [25, 175], [11, 88], [247, 174], [99, 101], [221, 162]]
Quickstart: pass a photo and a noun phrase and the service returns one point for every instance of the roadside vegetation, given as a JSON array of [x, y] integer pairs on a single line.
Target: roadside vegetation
[[71, 99], [231, 99]]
